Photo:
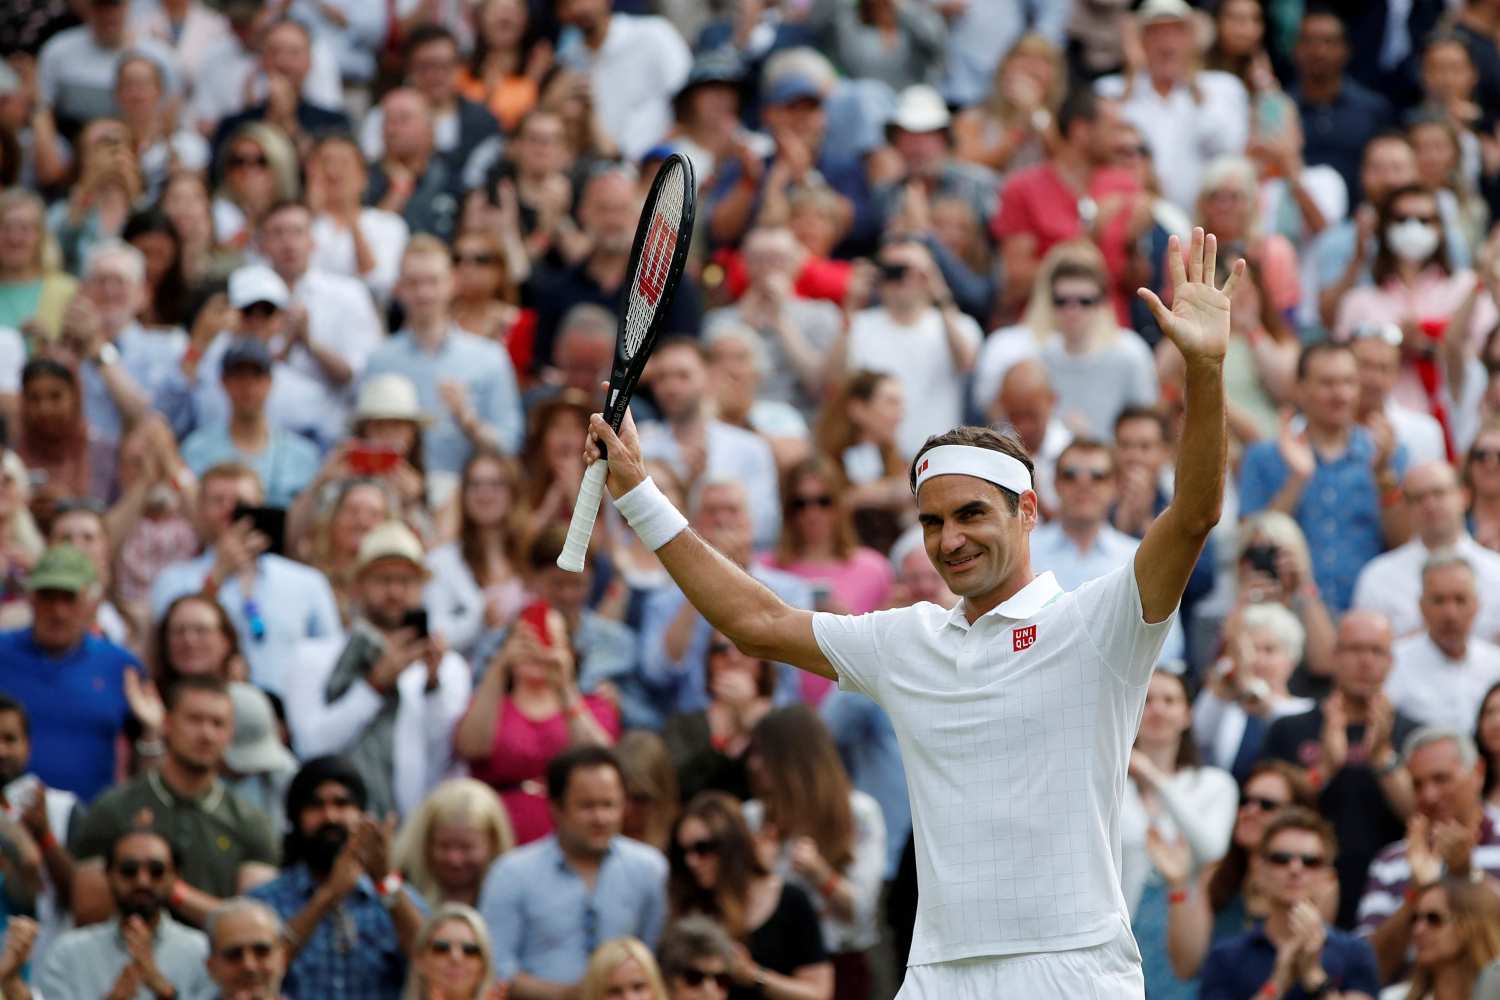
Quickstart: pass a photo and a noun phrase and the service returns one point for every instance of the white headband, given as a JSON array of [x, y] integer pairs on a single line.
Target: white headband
[[982, 463]]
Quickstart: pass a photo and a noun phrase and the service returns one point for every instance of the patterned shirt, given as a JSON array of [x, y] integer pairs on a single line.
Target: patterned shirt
[[1390, 873]]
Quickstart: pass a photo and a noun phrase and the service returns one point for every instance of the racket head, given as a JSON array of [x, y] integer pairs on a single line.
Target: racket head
[[657, 257]]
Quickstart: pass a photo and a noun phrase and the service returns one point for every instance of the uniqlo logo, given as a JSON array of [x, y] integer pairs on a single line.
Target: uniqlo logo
[[1022, 638]]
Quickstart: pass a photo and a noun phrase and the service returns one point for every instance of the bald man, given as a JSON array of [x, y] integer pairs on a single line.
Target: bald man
[[1392, 583], [411, 179], [1028, 404]]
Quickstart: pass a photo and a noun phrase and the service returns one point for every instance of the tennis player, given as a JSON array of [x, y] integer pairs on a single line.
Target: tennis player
[[1016, 708]]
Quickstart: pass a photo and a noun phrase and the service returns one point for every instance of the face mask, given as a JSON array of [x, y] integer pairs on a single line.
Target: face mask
[[1413, 240]]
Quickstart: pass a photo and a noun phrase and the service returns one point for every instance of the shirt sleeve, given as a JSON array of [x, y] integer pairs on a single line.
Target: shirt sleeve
[[501, 905], [654, 910], [1259, 479], [849, 642], [1110, 608]]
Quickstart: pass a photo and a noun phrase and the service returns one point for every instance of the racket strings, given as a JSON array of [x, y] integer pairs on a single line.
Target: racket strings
[[648, 285]]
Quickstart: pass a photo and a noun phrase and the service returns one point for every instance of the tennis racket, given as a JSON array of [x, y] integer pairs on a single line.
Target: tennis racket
[[656, 260]]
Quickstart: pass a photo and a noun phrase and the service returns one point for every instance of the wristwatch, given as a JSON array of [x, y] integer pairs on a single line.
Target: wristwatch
[[107, 355]]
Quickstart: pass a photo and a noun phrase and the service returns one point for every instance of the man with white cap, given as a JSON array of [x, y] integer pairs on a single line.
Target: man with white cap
[[919, 133], [387, 695], [1186, 115], [1016, 708]]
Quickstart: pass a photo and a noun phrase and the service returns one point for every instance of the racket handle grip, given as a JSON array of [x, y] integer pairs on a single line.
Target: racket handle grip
[[584, 512]]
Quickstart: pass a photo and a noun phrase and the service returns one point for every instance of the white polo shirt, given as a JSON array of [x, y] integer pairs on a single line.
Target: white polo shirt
[[1015, 732], [1436, 691]]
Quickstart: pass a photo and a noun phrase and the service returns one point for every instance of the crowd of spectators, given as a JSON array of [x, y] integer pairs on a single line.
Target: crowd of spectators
[[304, 305]]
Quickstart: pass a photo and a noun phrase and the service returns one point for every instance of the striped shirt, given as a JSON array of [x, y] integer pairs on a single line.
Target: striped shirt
[[1390, 873]]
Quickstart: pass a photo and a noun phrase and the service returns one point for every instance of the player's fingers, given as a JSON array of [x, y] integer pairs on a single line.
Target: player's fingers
[[1175, 265], [1236, 271], [603, 432], [1160, 311], [1195, 255], [1210, 258]]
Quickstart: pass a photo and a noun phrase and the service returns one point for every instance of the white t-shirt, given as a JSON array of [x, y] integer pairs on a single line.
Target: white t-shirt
[[1015, 732], [333, 249], [1437, 691], [919, 357]]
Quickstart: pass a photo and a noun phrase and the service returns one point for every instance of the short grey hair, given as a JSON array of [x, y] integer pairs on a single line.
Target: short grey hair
[[689, 940], [730, 330], [1468, 751], [235, 907], [1442, 559], [1275, 619], [135, 261], [586, 317]]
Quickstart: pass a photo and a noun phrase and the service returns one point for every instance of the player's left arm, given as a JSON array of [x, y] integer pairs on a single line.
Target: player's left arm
[[1198, 324]]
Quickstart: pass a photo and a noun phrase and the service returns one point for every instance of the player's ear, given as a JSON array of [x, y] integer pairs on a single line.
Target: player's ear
[[1028, 509]]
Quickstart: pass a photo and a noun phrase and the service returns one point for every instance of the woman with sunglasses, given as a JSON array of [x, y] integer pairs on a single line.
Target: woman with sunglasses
[[486, 289], [451, 959], [695, 953], [818, 544], [717, 871], [1455, 934], [1487, 738], [257, 168], [709, 746], [622, 969], [1481, 476], [1222, 899]]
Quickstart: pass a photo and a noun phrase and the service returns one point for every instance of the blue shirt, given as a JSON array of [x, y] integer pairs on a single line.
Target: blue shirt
[[1336, 133], [544, 921], [1238, 967], [76, 703], [353, 953], [1339, 512], [867, 745], [484, 370], [148, 356], [285, 465], [291, 602]]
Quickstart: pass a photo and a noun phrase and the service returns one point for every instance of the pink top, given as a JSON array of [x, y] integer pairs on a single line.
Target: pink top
[[517, 766], [861, 584]]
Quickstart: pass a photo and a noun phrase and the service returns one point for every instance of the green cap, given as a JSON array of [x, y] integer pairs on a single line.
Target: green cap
[[62, 567]]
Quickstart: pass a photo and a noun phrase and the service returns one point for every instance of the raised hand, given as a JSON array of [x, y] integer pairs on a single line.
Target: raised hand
[[145, 703], [1198, 322], [1172, 858]]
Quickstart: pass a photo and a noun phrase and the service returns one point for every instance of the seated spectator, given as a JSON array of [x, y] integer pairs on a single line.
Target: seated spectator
[[1392, 583], [1245, 696], [737, 364], [107, 185], [708, 746], [350, 921], [1442, 672], [188, 804], [451, 957], [1447, 774], [275, 603], [1229, 206], [828, 838], [285, 462], [856, 430], [1456, 935], [527, 708], [139, 950], [1332, 476], [194, 638], [1294, 948], [247, 950], [507, 61], [386, 695], [448, 844], [257, 168], [584, 351], [154, 234], [71, 683], [890, 42], [187, 202], [75, 70], [34, 290], [715, 871], [140, 96], [1275, 564], [1172, 795], [695, 955], [151, 526], [67, 454], [1481, 477], [1008, 131], [652, 797], [350, 239], [286, 58], [412, 179], [488, 269], [549, 904], [359, 507], [1143, 448], [1378, 351], [1221, 900]]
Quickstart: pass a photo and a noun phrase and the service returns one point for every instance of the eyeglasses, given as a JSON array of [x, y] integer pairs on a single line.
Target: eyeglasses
[[237, 952], [1430, 918], [1484, 454], [704, 848], [1263, 804], [439, 946], [1074, 301], [191, 629], [891, 270], [1431, 220], [261, 310], [481, 259], [1282, 859], [1140, 150], [132, 868], [1073, 473], [823, 500], [697, 977], [242, 162]]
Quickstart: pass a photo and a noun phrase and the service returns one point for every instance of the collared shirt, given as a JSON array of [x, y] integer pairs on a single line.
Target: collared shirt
[[1015, 731], [483, 368], [1339, 511], [1336, 133], [733, 452], [1390, 873], [83, 964], [333, 253], [214, 834], [147, 356], [76, 703], [545, 921], [285, 465], [290, 602], [1183, 134], [353, 953], [1237, 968], [1392, 585], [641, 63], [1436, 690]]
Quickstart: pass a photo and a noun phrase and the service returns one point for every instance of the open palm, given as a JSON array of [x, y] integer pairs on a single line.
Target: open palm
[[1198, 322]]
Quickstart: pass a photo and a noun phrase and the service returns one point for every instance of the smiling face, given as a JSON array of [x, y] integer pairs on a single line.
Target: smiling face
[[1168, 714], [700, 851], [196, 642], [977, 544], [459, 853], [1263, 795], [452, 963], [1435, 938]]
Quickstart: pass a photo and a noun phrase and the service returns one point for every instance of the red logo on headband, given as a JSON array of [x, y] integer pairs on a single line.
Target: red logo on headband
[[1022, 638], [923, 467]]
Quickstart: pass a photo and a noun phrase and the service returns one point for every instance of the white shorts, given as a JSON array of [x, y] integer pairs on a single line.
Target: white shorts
[[1109, 971]]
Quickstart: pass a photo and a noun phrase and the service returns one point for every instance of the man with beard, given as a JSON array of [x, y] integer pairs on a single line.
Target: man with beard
[[247, 956], [186, 799], [141, 952], [350, 921]]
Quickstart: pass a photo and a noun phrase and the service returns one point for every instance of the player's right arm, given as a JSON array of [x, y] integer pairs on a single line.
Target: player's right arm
[[735, 603]]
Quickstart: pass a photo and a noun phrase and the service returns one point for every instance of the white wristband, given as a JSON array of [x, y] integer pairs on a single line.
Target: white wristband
[[651, 515]]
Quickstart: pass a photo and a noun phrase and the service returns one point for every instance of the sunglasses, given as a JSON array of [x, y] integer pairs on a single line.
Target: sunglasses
[[239, 162], [261, 310], [438, 946], [1485, 454], [1141, 150], [1281, 859], [892, 270], [1431, 220], [237, 952], [1073, 473], [703, 848], [1074, 301], [802, 503], [697, 977], [718, 648], [1263, 804], [482, 259], [131, 869], [1431, 918]]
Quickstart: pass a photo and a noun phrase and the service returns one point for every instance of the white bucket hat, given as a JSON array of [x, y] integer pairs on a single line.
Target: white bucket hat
[[389, 397]]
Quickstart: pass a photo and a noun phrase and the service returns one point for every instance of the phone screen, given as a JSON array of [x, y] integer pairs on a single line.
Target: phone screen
[[269, 521]]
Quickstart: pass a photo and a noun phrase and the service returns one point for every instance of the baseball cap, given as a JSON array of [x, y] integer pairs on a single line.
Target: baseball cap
[[257, 283], [1156, 11], [256, 748], [920, 108], [246, 352], [791, 87], [62, 567], [391, 540], [717, 66]]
